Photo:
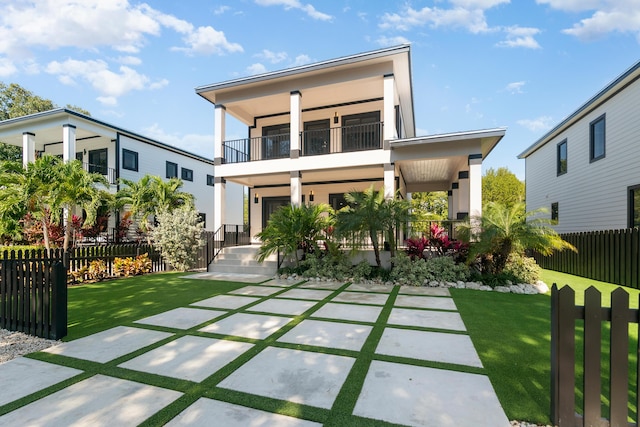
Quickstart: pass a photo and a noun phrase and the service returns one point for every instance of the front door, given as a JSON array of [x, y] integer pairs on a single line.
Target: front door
[[270, 205]]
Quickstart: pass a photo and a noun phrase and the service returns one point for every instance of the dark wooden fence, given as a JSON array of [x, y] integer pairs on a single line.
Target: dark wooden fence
[[83, 256], [611, 256], [33, 293], [564, 314]]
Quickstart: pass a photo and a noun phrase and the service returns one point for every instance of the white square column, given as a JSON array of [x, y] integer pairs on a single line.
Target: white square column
[[463, 194], [28, 148], [295, 125], [296, 188], [219, 118], [450, 205], [68, 143], [389, 108], [475, 187], [219, 190], [389, 181]]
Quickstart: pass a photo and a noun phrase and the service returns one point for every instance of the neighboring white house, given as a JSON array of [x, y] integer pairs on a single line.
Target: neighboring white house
[[118, 153], [320, 130], [586, 170]]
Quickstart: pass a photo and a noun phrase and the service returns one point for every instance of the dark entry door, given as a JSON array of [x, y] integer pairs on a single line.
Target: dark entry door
[[270, 205]]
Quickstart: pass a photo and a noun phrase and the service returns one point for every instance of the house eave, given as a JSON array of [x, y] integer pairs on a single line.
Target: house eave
[[490, 137]]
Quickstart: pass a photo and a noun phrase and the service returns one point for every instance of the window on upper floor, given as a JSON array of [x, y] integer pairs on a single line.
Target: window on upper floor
[[554, 212], [98, 161], [172, 170], [361, 131], [187, 174], [275, 142], [211, 180], [634, 206], [597, 139], [561, 162], [129, 160]]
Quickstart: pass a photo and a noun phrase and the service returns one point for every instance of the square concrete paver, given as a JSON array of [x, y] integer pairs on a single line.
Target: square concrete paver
[[426, 319], [21, 376], [322, 285], [99, 401], [297, 376], [426, 345], [255, 290], [416, 301], [312, 294], [256, 326], [418, 396], [207, 412], [181, 318], [362, 298], [424, 290], [356, 313], [346, 336], [283, 306], [283, 283], [229, 277], [226, 301], [108, 345], [363, 287], [188, 358]]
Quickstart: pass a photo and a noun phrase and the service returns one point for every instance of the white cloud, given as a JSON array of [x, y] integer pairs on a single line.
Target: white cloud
[[541, 123], [520, 37], [207, 41], [220, 10], [392, 41], [256, 68], [472, 19], [7, 67], [573, 5], [295, 4], [273, 57], [109, 101], [129, 60], [515, 87], [194, 143], [302, 59]]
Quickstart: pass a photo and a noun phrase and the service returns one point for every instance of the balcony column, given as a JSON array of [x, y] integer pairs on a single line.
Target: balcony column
[[475, 189], [389, 129], [463, 194], [450, 204], [219, 190], [295, 125], [296, 188], [219, 117], [68, 143], [28, 148], [389, 181], [453, 211]]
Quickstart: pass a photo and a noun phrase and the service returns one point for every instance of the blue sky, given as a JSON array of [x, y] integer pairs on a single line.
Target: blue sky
[[521, 64]]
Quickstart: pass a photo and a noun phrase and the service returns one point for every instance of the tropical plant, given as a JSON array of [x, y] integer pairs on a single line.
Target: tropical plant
[[504, 230], [295, 227], [179, 235]]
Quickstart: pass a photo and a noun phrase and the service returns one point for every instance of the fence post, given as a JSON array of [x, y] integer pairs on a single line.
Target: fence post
[[59, 302], [562, 356]]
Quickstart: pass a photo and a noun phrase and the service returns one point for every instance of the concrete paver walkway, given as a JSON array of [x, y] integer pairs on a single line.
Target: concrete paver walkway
[[280, 341]]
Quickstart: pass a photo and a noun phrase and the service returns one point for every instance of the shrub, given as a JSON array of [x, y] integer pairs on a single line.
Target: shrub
[[523, 269], [132, 266], [332, 266], [360, 271], [416, 246], [442, 269], [97, 270], [179, 235]]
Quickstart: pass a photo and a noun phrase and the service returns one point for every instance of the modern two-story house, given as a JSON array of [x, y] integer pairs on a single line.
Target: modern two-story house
[[585, 171], [117, 153], [317, 131]]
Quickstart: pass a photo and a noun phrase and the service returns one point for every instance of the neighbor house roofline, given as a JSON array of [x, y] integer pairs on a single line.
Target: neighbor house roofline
[[142, 138], [618, 84]]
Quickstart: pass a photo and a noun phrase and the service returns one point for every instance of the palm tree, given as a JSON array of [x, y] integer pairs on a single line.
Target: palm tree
[[504, 230], [167, 194], [294, 227], [396, 212]]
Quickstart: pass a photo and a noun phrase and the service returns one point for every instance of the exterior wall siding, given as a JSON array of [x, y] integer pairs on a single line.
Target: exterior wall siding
[[591, 195]]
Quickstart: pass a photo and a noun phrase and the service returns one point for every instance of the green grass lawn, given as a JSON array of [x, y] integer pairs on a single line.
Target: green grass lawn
[[512, 336]]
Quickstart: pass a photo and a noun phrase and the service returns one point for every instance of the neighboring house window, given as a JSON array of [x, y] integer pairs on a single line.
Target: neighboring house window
[[187, 174], [210, 180], [275, 142], [361, 131], [634, 206], [129, 160], [562, 158], [79, 156], [597, 139], [98, 161], [172, 170], [203, 219], [554, 212]]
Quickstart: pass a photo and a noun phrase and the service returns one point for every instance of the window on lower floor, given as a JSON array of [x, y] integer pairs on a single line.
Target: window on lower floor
[[634, 206], [597, 139], [129, 160], [203, 219], [79, 156], [211, 180], [554, 212], [187, 174], [172, 170], [562, 158]]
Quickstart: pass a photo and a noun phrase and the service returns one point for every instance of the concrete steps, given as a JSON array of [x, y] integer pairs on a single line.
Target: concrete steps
[[242, 260]]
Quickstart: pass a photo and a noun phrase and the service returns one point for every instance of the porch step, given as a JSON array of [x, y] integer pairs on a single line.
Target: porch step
[[242, 259]]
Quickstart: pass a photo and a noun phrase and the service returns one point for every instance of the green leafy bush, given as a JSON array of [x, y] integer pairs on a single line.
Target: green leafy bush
[[523, 268], [179, 235], [331, 266], [362, 270], [442, 269], [97, 270], [132, 266]]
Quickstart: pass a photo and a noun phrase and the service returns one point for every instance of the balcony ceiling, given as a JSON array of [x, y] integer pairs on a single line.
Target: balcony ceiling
[[325, 176]]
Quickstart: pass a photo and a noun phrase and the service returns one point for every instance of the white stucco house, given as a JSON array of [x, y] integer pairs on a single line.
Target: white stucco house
[[586, 170], [117, 153], [317, 131]]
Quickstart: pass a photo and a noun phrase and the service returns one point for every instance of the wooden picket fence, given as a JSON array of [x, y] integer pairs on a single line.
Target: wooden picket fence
[[564, 314], [83, 256]]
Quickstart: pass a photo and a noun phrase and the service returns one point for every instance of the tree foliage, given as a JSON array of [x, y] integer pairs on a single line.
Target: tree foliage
[[179, 235], [503, 187], [432, 206]]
